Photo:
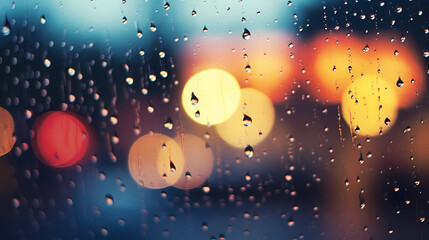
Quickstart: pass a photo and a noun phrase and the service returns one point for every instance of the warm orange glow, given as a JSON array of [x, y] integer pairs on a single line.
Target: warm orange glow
[[331, 62], [60, 139], [156, 161], [263, 62], [199, 161], [7, 127]]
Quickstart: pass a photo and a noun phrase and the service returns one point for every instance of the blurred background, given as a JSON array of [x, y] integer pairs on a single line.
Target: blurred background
[[130, 119]]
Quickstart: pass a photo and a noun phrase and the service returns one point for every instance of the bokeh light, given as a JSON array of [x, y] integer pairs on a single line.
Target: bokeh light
[[199, 161], [156, 161], [7, 128], [369, 106], [398, 62], [211, 96], [267, 61], [331, 62], [60, 139], [251, 122]]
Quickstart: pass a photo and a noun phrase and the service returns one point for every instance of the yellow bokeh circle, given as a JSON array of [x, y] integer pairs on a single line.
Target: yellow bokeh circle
[[369, 106], [251, 122], [211, 96], [156, 161]]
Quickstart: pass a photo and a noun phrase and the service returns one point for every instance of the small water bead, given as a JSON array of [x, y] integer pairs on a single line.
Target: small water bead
[[42, 19], [139, 33], [206, 189], [194, 99], [248, 151], [109, 200], [129, 80], [124, 20], [246, 34], [104, 232], [152, 27], [247, 68], [163, 73], [247, 121], [167, 6], [168, 124]]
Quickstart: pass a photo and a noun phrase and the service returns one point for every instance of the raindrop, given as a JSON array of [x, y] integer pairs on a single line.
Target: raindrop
[[194, 99], [124, 20], [400, 83], [205, 29], [194, 13], [43, 19], [387, 121], [246, 34], [152, 27], [109, 200], [247, 121], [247, 68], [6, 28], [139, 33], [197, 114], [168, 124], [188, 175], [172, 166], [248, 151], [361, 159], [166, 6]]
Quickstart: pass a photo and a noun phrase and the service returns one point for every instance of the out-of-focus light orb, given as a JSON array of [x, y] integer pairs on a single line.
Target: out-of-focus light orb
[[7, 127], [267, 61], [369, 106], [156, 161], [60, 139], [401, 66], [199, 161], [331, 62], [251, 122], [211, 96]]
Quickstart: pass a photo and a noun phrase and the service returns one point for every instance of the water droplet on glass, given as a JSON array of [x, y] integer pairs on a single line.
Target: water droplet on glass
[[247, 121], [109, 200], [6, 28], [248, 151], [152, 27], [188, 175], [124, 20], [246, 34], [166, 6], [247, 68], [400, 83], [42, 19], [194, 99], [197, 114], [139, 33], [172, 166], [387, 121], [168, 124]]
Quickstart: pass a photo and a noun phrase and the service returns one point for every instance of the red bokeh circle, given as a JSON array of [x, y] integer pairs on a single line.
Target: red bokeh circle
[[60, 139]]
